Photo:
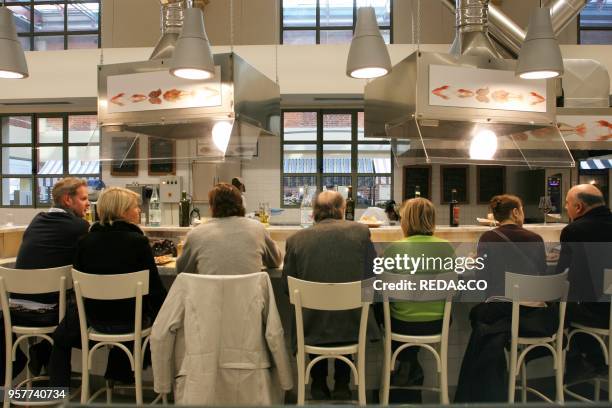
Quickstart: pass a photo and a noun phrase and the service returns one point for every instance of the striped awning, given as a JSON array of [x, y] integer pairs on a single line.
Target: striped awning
[[74, 167], [337, 165], [596, 164]]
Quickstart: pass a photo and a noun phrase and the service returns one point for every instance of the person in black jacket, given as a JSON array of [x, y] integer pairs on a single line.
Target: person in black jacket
[[586, 250], [114, 245], [48, 242], [508, 248]]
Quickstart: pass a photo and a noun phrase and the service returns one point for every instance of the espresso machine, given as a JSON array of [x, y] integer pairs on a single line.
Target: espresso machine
[[144, 191]]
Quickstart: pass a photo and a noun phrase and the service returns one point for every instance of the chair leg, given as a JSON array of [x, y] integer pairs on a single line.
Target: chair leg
[[138, 379], [609, 378], [8, 373], [110, 384], [597, 389], [385, 380], [84, 375], [444, 382], [361, 387], [301, 386], [523, 382], [558, 363], [512, 378]]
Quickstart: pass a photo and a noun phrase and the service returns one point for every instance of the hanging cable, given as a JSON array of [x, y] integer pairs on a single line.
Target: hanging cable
[[277, 33], [231, 5], [418, 25]]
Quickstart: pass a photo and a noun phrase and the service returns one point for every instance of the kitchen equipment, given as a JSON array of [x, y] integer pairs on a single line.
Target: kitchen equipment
[[170, 189], [195, 216], [144, 191]]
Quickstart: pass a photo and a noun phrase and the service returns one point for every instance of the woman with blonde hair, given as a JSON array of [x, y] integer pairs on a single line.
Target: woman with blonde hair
[[418, 222], [114, 245]]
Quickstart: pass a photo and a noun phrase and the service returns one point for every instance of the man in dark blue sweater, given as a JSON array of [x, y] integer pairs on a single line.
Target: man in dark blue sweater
[[50, 241]]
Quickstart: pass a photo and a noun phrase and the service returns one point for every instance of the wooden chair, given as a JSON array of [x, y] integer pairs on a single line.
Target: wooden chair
[[329, 297], [436, 344], [29, 281], [527, 288], [112, 287]]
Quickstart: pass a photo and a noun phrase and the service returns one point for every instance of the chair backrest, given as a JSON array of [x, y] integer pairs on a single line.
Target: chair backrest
[[329, 297], [607, 281], [427, 287], [529, 288], [34, 282], [111, 287], [325, 296]]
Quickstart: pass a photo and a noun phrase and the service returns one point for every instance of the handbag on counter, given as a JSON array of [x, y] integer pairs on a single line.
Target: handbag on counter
[[163, 247]]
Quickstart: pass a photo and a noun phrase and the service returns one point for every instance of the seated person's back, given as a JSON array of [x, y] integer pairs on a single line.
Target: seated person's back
[[228, 244], [50, 239], [116, 245]]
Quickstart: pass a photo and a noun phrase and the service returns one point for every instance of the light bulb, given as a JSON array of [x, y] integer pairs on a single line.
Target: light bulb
[[539, 75], [484, 145], [190, 73], [221, 133], [11, 75], [365, 73]]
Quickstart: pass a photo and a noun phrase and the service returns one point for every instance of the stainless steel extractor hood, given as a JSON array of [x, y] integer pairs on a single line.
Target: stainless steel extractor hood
[[439, 108], [230, 110], [466, 106]]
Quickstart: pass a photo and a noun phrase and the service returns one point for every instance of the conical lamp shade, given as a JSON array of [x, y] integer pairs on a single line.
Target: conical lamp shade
[[368, 56], [13, 64], [540, 55], [192, 57]]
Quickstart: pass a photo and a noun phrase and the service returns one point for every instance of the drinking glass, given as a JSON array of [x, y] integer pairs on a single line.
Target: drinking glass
[[545, 206], [10, 220]]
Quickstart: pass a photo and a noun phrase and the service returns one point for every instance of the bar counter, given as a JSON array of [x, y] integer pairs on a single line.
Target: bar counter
[[10, 237], [466, 233]]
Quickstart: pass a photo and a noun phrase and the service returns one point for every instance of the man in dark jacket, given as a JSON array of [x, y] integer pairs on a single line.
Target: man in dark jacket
[[50, 241], [332, 251], [586, 245]]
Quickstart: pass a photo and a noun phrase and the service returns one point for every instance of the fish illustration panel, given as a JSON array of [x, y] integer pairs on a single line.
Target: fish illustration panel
[[465, 87], [147, 91]]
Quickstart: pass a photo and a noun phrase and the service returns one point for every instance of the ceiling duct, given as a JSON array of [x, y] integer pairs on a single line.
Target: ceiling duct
[[472, 37], [510, 35], [171, 25]]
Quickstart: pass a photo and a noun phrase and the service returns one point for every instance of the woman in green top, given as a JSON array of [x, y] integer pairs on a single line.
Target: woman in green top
[[418, 221]]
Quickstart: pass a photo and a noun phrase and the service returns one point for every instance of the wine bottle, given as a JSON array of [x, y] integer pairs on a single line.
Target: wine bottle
[[306, 206], [154, 210], [417, 191], [349, 213], [453, 209], [184, 205]]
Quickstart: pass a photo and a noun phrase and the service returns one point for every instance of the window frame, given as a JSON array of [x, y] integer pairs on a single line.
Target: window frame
[[317, 28], [65, 33], [319, 142], [35, 145], [580, 29]]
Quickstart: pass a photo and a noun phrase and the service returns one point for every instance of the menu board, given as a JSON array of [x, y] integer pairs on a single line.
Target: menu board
[[416, 176], [162, 156], [125, 156], [491, 181], [454, 177]]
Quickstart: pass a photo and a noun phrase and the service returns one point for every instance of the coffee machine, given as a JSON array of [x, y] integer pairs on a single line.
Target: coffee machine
[[144, 191]]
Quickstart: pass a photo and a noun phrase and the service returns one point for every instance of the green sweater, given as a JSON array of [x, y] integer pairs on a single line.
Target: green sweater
[[417, 246]]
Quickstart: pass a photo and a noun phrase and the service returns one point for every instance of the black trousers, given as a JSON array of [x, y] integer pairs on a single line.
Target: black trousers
[[342, 372], [68, 335], [32, 319], [483, 376], [413, 328], [583, 346]]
